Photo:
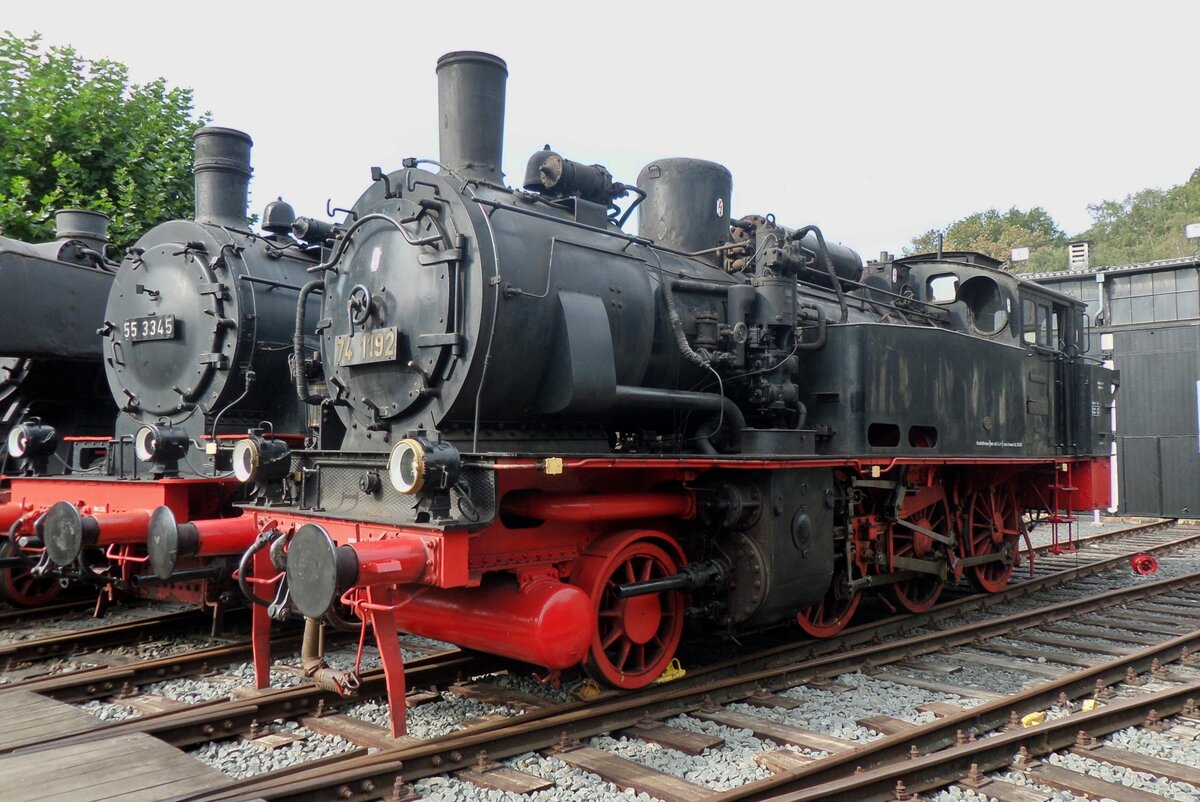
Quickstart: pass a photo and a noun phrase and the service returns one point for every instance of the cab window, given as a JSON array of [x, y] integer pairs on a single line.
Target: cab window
[[942, 288], [1039, 325]]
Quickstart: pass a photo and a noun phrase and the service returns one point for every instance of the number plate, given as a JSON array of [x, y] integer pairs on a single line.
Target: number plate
[[365, 347], [159, 327]]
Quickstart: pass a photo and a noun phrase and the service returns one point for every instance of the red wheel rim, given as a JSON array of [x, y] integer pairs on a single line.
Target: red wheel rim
[[635, 638], [830, 615], [920, 593], [993, 526], [21, 588]]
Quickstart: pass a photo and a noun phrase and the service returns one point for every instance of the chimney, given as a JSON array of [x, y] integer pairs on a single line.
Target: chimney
[[1079, 255], [471, 113], [222, 170]]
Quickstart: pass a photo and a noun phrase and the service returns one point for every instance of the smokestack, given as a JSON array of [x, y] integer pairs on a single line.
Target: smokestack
[[222, 170], [471, 113], [90, 228]]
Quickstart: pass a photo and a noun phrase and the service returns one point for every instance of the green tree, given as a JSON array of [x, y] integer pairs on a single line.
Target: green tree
[[996, 233], [75, 133], [1145, 226]]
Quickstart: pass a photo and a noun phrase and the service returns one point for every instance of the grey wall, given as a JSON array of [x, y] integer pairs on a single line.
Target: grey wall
[[1158, 445]]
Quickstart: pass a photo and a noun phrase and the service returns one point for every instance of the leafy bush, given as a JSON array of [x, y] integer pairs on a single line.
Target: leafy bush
[[74, 133]]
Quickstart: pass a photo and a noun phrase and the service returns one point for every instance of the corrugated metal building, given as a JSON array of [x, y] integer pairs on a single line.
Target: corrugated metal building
[[1147, 321]]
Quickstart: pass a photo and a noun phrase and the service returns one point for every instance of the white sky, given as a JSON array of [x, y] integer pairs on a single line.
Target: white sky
[[874, 120]]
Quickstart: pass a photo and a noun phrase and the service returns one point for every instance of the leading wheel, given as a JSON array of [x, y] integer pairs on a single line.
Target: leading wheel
[[20, 588], [833, 612], [919, 593], [993, 526], [635, 638]]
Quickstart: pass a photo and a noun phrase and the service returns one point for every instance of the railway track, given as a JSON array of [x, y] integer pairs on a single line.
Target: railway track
[[562, 728], [542, 728]]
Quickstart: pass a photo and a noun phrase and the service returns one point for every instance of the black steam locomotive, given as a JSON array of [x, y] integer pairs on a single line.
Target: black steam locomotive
[[513, 425], [195, 336], [563, 439], [54, 404]]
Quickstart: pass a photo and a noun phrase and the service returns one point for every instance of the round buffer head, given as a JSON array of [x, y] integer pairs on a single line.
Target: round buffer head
[[62, 533], [312, 571], [162, 542]]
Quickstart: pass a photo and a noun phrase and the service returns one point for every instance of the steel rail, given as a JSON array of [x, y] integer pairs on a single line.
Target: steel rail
[[70, 642], [889, 758], [538, 730], [20, 615], [228, 717], [95, 683], [994, 752]]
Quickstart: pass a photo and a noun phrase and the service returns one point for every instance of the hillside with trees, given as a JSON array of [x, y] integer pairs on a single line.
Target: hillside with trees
[[75, 133], [1145, 226]]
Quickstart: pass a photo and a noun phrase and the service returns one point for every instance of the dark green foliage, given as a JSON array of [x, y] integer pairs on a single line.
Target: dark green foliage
[[74, 133], [1145, 226], [996, 233]]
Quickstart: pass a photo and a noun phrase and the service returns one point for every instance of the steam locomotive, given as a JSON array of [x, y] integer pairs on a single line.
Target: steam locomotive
[[54, 404], [195, 334], [563, 442], [513, 425]]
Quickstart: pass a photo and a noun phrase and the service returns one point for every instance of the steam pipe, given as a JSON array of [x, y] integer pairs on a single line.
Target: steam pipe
[[298, 341], [823, 250], [654, 398], [700, 357], [822, 334]]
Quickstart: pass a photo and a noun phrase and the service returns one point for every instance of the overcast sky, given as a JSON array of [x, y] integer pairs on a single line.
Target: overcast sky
[[876, 121]]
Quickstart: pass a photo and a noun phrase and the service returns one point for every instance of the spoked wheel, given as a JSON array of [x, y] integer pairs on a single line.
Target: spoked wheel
[[21, 588], [635, 638], [920, 593], [833, 612], [993, 527]]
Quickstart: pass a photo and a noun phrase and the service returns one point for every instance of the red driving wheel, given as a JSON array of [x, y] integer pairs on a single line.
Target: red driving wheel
[[636, 637], [832, 613], [993, 526], [920, 593]]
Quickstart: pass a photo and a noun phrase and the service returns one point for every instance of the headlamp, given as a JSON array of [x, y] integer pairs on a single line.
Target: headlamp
[[32, 439], [160, 444], [257, 458], [416, 464]]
